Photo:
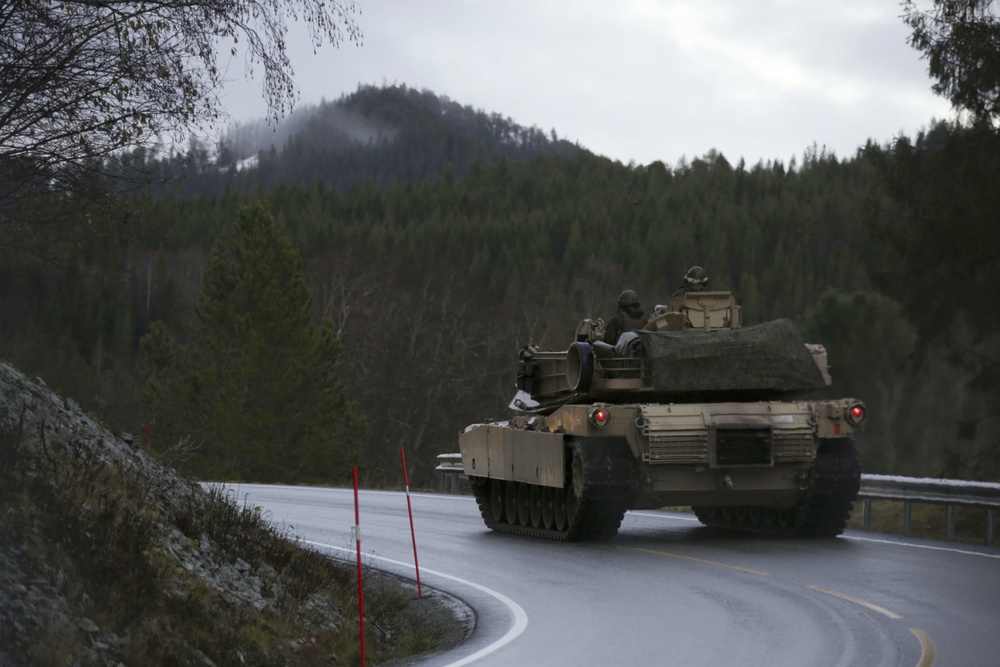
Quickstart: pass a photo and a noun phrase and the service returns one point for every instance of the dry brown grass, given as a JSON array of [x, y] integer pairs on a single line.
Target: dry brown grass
[[89, 532]]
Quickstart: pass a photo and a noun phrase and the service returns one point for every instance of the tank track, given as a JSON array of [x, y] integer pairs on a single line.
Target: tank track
[[600, 487], [823, 511]]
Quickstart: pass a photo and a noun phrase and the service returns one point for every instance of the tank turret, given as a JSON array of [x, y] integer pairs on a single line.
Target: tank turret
[[694, 349]]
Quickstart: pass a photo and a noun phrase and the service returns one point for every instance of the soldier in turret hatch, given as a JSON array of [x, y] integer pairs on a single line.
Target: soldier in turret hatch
[[628, 318], [695, 280]]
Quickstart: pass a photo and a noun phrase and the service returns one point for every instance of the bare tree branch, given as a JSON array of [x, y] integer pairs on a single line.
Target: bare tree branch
[[81, 81]]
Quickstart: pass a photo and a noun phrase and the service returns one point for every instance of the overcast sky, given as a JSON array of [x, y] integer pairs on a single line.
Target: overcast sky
[[641, 80]]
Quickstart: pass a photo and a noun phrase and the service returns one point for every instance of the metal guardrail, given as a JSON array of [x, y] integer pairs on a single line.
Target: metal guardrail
[[949, 493], [450, 473]]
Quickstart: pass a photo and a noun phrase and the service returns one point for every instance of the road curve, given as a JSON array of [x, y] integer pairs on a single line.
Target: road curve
[[668, 591]]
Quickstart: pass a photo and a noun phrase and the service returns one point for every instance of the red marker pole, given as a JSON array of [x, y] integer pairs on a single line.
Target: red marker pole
[[413, 534], [361, 596]]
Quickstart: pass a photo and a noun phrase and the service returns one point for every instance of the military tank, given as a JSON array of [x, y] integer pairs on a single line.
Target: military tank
[[692, 410]]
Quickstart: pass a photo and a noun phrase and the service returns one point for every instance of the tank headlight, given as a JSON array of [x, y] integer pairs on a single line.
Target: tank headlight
[[599, 417], [856, 414]]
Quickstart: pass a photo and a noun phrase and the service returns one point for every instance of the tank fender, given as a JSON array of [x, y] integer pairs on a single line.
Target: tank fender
[[500, 451]]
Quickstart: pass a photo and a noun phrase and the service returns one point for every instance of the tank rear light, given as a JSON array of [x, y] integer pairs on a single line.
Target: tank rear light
[[856, 414], [599, 417]]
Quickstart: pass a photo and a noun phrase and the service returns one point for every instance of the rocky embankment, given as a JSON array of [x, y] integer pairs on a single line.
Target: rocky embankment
[[108, 558]]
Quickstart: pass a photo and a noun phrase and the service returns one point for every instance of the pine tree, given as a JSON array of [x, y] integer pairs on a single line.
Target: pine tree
[[257, 385]]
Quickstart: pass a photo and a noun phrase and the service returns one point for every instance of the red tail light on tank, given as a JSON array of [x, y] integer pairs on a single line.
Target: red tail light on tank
[[856, 414], [599, 417]]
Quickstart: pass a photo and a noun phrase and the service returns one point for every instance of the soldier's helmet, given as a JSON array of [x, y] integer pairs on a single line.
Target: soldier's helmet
[[628, 300], [695, 280]]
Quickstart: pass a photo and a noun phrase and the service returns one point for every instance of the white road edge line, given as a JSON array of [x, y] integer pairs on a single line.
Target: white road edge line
[[921, 546], [664, 516], [520, 617], [675, 517]]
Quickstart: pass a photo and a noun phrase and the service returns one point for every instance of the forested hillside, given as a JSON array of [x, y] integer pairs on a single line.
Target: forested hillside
[[387, 135], [435, 255]]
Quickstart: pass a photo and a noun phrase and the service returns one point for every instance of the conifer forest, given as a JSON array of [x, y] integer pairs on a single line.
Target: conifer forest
[[290, 304]]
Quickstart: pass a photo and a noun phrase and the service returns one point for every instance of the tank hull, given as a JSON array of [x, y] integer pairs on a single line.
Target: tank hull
[[747, 465]]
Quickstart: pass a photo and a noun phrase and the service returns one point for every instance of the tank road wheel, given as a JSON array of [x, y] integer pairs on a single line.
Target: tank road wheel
[[559, 510], [599, 486], [785, 517], [548, 507], [524, 504], [496, 500], [510, 502], [535, 504]]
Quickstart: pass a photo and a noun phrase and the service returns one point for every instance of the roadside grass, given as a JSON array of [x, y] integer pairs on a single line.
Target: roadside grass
[[93, 533]]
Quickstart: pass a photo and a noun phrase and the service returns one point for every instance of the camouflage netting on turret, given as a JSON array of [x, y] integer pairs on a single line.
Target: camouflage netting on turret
[[769, 357]]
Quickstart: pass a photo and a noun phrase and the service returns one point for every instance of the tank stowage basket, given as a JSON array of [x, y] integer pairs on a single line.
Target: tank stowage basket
[[769, 359]]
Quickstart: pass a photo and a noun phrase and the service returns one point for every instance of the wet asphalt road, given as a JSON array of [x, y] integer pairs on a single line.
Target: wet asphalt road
[[667, 591]]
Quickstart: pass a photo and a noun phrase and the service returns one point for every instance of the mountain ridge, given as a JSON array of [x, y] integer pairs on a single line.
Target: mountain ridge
[[388, 135]]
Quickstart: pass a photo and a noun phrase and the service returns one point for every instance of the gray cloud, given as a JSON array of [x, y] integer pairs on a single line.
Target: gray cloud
[[645, 80]]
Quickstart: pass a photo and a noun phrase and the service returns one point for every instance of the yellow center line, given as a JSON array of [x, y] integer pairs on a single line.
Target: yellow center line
[[928, 652], [867, 605], [707, 562]]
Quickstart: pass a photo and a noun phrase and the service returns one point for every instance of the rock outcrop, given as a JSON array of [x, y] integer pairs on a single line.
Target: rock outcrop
[[108, 557]]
